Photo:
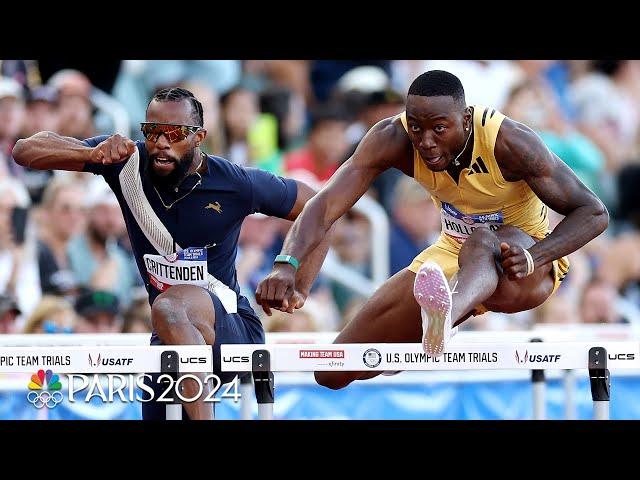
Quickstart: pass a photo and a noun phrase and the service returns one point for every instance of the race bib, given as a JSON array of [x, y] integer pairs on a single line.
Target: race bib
[[187, 267], [460, 225]]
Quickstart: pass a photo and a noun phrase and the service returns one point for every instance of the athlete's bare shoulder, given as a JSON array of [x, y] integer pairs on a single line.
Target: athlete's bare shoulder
[[386, 145], [520, 152]]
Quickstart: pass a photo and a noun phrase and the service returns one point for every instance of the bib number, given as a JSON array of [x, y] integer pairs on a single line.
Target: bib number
[[187, 267], [460, 225]]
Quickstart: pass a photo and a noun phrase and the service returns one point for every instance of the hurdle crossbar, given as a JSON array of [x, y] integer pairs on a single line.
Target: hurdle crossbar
[[410, 356], [103, 359]]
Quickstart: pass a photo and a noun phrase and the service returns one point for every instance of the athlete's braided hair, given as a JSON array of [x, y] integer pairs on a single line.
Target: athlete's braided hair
[[435, 83], [176, 94]]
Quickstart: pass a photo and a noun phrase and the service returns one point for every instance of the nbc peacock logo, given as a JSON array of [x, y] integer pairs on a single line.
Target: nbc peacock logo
[[45, 389]]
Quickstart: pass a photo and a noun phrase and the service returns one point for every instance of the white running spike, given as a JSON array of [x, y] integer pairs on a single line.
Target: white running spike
[[431, 283]]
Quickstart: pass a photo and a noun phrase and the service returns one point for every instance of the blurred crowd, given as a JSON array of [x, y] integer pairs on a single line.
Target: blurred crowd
[[65, 261]]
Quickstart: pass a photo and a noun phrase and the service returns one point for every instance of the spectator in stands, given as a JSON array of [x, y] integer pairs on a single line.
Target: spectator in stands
[[12, 113], [42, 111], [364, 92], [628, 211], [532, 103], [319, 314], [9, 313], [18, 265], [558, 311], [212, 117], [75, 109], [606, 111], [221, 75], [302, 320], [375, 106], [291, 75], [260, 241], [63, 215], [52, 315], [96, 259], [415, 224], [287, 109], [240, 112], [41, 115], [486, 82], [598, 303], [619, 264], [25, 72], [327, 145], [257, 236], [326, 73], [555, 76], [351, 243], [564, 306], [137, 318], [351, 240], [138, 80], [99, 312]]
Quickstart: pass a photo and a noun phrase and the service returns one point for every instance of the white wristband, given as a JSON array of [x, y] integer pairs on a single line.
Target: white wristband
[[530, 264]]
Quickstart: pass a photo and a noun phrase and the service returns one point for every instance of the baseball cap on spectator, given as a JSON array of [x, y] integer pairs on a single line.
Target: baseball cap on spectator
[[10, 88], [8, 304], [70, 82], [101, 194], [384, 96], [329, 112], [364, 79], [43, 93], [92, 302]]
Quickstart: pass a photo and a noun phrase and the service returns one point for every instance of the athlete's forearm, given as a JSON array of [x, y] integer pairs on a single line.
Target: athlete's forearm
[[306, 233], [48, 150], [309, 269], [576, 230]]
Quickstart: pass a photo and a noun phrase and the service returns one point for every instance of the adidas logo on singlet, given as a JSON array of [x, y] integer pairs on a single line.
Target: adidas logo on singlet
[[478, 167]]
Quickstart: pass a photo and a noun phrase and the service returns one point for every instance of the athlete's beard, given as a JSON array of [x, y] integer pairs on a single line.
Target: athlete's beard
[[177, 175]]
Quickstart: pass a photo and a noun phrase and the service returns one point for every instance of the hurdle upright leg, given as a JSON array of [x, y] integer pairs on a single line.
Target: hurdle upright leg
[[539, 391], [264, 383], [600, 383], [170, 364], [246, 395], [569, 382]]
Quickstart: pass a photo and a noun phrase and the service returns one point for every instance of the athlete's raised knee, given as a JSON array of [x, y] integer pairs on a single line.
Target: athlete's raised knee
[[514, 236], [482, 238], [166, 315], [332, 380]]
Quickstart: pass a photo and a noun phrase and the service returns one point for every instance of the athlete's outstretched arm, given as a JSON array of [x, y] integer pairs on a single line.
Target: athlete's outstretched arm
[[308, 271], [378, 150], [524, 156], [50, 151]]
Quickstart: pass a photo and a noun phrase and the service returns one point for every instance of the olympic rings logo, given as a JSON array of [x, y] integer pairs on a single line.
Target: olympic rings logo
[[40, 399]]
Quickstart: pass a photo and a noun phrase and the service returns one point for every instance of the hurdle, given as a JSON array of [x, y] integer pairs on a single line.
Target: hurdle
[[85, 360], [246, 386], [602, 336], [596, 357], [539, 388]]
